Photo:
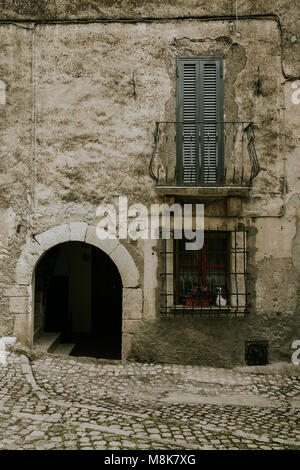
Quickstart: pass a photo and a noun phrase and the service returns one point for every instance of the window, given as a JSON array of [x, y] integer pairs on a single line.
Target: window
[[199, 153], [202, 275], [209, 280], [199, 149]]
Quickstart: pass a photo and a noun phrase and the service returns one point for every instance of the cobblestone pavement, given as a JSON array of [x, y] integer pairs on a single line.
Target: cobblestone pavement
[[58, 402]]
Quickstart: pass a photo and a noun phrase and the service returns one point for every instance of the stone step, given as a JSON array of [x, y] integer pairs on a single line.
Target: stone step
[[63, 349], [47, 341]]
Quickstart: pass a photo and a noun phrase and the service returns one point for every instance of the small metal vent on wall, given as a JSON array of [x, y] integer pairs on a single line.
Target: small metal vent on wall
[[256, 353]]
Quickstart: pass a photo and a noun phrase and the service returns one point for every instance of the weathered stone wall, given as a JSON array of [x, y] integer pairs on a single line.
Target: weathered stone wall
[[76, 130], [106, 10]]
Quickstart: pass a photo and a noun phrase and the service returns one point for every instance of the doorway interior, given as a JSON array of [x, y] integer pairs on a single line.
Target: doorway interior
[[78, 302]]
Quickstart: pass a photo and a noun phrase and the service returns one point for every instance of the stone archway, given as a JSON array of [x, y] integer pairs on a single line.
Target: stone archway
[[21, 295]]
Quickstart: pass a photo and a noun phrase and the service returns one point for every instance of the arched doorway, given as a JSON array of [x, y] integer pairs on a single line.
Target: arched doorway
[[78, 298]]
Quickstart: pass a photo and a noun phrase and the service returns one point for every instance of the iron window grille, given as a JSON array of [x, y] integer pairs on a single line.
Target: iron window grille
[[207, 281]]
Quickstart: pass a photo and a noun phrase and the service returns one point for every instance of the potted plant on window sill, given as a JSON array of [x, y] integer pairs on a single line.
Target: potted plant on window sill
[[199, 296]]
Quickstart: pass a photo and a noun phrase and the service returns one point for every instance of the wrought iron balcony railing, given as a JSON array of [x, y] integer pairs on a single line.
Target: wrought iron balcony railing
[[202, 154]]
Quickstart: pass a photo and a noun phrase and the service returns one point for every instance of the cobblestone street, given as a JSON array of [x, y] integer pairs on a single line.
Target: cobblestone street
[[58, 402]]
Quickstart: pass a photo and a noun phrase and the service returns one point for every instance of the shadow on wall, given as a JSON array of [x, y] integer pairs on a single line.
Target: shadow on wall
[[213, 342]]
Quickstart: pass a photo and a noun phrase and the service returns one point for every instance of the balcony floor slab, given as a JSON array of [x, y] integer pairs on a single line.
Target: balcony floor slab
[[204, 191]]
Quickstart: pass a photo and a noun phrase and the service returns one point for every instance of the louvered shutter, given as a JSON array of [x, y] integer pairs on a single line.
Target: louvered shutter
[[188, 95], [209, 113], [199, 141], [189, 118]]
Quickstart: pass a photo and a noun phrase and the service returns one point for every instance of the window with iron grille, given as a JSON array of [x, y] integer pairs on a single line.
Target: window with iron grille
[[209, 280]]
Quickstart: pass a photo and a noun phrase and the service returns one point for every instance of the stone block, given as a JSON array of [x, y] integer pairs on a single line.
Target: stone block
[[126, 266], [130, 326], [78, 231], [126, 344], [19, 304], [23, 271], [54, 236], [107, 245], [17, 291], [33, 248], [22, 329], [132, 303]]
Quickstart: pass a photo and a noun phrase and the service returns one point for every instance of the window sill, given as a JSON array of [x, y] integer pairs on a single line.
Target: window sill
[[213, 309]]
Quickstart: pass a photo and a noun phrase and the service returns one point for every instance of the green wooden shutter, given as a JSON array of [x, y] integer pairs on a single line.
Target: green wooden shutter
[[199, 142]]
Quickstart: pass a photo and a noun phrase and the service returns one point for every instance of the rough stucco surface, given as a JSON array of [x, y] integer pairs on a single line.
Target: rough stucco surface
[[136, 9], [93, 139]]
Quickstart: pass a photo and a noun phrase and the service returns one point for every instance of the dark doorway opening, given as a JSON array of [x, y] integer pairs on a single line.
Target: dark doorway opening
[[78, 296]]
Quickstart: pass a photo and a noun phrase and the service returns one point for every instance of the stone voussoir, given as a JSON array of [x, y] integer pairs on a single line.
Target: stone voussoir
[[78, 231], [126, 266], [53, 236], [107, 245]]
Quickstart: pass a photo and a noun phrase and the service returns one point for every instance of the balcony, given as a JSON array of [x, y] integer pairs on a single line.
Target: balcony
[[207, 158]]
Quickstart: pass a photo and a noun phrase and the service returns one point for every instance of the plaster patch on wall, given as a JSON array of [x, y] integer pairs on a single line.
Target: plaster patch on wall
[[296, 249], [2, 92]]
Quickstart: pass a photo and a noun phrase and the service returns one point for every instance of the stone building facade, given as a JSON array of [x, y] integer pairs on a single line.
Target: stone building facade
[[83, 86]]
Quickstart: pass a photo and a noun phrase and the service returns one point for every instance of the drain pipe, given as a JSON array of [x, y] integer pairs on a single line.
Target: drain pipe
[[284, 189], [32, 216]]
